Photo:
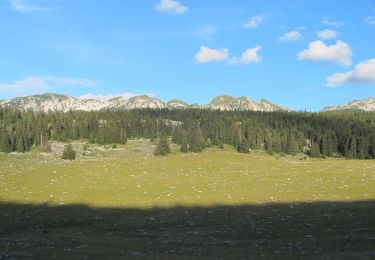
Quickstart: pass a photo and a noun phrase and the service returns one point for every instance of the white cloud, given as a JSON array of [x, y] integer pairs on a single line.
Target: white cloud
[[363, 72], [254, 22], [172, 7], [318, 50], [248, 56], [290, 36], [34, 85], [370, 20], [336, 24], [109, 96], [22, 6], [327, 34], [206, 55]]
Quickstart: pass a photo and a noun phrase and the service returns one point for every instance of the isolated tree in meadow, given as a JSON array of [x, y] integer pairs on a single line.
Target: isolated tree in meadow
[[69, 153], [162, 147]]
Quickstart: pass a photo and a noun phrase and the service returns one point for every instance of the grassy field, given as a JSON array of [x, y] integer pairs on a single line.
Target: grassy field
[[213, 204]]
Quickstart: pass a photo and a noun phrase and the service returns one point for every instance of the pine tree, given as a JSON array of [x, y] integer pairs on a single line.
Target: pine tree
[[162, 147], [69, 153]]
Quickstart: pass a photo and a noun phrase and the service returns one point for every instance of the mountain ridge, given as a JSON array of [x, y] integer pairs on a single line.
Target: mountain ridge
[[59, 102], [367, 104]]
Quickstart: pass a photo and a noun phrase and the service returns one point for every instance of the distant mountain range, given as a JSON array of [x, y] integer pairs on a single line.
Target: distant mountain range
[[57, 102], [364, 104]]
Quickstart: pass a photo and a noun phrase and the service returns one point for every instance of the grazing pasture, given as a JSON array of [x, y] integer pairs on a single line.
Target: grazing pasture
[[126, 202]]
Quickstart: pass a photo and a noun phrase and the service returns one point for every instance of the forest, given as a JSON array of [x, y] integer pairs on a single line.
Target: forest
[[332, 134]]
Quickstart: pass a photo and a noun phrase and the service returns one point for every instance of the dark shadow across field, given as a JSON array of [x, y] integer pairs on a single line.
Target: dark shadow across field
[[319, 230]]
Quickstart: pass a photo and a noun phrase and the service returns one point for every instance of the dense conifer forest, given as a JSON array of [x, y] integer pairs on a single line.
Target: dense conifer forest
[[338, 134]]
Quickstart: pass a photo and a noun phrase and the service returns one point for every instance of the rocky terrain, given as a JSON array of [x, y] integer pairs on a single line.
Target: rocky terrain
[[58, 102], [364, 104]]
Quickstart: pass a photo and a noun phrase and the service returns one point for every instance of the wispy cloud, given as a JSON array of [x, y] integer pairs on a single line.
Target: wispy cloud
[[34, 85], [171, 7], [291, 36], [370, 20], [318, 51], [336, 24], [363, 72], [327, 34], [254, 21], [25, 6], [206, 32]]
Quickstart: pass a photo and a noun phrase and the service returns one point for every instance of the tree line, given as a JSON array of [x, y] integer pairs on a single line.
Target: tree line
[[339, 134]]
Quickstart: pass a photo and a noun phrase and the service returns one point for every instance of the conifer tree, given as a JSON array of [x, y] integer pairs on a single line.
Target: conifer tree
[[69, 153], [162, 147]]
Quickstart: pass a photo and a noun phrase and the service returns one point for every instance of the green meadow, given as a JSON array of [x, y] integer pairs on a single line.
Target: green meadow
[[131, 176], [218, 203]]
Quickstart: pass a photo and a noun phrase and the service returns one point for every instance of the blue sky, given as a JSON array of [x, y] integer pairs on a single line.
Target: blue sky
[[302, 54]]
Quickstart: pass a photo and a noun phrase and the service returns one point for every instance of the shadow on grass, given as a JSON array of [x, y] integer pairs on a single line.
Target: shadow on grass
[[319, 230]]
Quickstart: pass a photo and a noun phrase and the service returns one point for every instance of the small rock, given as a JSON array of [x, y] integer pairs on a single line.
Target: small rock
[[135, 253]]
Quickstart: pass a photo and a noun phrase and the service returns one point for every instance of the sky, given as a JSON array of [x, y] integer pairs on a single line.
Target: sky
[[302, 54]]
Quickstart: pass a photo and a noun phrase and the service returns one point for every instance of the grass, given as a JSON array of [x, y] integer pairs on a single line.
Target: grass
[[125, 202], [130, 177]]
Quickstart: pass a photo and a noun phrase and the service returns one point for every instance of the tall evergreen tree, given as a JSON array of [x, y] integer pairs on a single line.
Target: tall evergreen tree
[[162, 147]]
